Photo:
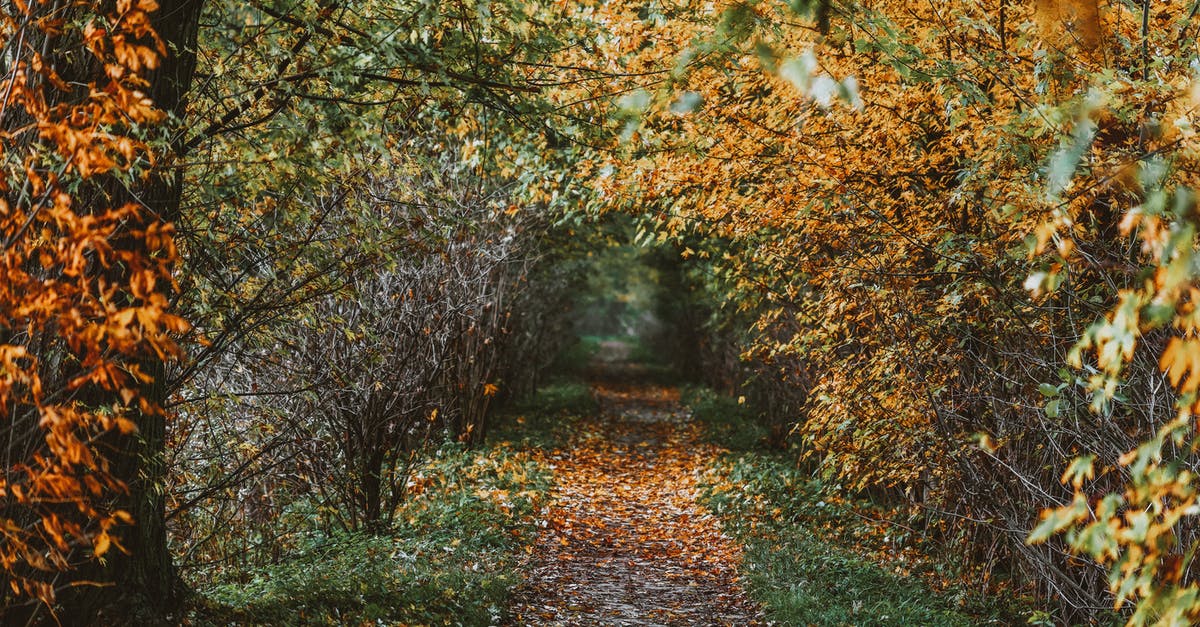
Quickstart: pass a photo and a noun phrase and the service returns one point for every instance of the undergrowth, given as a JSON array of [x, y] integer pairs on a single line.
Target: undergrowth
[[727, 422], [449, 560], [545, 419], [575, 358], [813, 558]]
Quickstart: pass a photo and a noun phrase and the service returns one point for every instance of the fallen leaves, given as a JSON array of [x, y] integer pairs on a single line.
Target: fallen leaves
[[624, 541]]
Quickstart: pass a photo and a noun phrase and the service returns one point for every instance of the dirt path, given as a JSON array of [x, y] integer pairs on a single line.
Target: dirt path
[[625, 542]]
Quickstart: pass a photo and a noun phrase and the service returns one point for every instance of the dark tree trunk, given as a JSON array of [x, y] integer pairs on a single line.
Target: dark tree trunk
[[148, 574], [372, 486], [141, 586]]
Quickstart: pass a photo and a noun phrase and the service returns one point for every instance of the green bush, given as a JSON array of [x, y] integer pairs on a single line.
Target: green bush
[[574, 360], [450, 560], [545, 419], [573, 399], [360, 578], [810, 561]]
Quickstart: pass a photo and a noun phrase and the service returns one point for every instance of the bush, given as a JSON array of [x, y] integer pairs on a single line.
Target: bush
[[450, 560], [727, 422], [810, 556], [560, 399], [544, 419], [574, 359]]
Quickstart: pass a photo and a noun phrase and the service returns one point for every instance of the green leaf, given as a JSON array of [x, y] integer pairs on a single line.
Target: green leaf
[[799, 70], [1066, 160], [687, 102], [635, 102]]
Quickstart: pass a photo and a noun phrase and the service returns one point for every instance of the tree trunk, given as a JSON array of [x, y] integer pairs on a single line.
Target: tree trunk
[[142, 586], [148, 574]]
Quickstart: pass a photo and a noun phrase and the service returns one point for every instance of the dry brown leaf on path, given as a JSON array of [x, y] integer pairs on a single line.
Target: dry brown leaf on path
[[625, 541]]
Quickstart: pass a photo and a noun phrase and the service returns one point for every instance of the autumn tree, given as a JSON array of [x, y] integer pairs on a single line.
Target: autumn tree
[[961, 236], [370, 184], [88, 260], [118, 76]]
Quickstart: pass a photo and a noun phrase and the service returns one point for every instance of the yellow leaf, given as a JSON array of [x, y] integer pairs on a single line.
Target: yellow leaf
[[101, 545]]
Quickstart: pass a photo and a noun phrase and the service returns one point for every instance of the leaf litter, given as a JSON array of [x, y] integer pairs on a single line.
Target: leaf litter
[[624, 541]]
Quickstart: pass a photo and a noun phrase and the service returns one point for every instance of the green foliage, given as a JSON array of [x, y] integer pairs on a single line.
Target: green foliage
[[575, 358], [341, 148], [727, 422], [544, 420], [450, 560], [572, 399], [812, 562], [813, 558], [621, 291]]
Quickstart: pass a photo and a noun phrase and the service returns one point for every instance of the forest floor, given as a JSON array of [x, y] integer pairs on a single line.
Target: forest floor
[[623, 501], [625, 540]]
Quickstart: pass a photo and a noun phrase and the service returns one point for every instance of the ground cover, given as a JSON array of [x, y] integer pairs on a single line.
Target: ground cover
[[815, 556], [624, 540]]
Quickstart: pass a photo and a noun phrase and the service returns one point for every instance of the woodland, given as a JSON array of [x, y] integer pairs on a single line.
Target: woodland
[[417, 312]]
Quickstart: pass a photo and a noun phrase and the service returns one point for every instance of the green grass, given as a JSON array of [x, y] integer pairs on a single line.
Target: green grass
[[578, 358], [798, 569], [726, 422], [808, 559], [560, 399], [545, 419], [451, 560], [573, 361]]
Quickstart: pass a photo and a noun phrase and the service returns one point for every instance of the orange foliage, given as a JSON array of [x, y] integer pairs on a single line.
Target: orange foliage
[[883, 193], [84, 279]]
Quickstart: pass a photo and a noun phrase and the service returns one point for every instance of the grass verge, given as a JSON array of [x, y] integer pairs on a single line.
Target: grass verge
[[545, 420], [452, 557], [813, 559]]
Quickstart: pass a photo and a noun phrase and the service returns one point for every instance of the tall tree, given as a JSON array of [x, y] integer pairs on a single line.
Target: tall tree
[[84, 312], [145, 578]]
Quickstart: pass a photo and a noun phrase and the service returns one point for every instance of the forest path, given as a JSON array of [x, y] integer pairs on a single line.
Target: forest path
[[624, 541]]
